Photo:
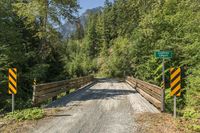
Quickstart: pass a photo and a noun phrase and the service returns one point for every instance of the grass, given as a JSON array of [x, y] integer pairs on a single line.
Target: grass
[[194, 127], [72, 90], [188, 125], [26, 114]]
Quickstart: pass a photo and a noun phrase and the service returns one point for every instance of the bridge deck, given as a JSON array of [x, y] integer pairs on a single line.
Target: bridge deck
[[108, 106]]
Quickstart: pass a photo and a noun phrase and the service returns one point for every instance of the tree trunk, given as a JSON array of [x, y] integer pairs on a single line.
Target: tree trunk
[[44, 26]]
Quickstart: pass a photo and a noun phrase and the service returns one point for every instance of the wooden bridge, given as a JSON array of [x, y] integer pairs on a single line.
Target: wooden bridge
[[43, 92], [97, 105]]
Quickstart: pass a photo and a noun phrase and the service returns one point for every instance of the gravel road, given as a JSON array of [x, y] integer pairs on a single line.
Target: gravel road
[[108, 106]]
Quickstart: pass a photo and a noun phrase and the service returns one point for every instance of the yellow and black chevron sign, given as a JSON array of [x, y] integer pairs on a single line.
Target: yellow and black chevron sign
[[175, 81], [12, 81]]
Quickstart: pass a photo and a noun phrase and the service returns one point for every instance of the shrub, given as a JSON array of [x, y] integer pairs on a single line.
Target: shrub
[[26, 114]]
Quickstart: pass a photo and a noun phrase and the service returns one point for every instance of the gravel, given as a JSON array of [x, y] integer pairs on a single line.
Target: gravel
[[108, 106]]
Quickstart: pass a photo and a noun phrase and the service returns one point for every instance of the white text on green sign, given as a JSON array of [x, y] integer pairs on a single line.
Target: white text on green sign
[[163, 54]]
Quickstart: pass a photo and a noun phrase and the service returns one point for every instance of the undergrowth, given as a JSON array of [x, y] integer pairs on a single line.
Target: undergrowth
[[26, 114]]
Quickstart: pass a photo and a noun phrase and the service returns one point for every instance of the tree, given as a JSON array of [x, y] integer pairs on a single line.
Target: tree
[[23, 28], [45, 15]]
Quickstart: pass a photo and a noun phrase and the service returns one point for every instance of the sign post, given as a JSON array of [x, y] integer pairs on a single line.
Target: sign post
[[163, 55], [12, 85], [174, 106], [163, 89], [13, 102]]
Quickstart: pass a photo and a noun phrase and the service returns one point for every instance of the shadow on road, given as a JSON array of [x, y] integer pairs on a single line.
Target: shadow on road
[[89, 93], [60, 115], [104, 80]]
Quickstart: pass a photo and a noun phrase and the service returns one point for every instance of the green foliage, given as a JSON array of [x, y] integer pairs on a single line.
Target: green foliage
[[195, 127], [30, 42], [26, 114], [49, 13], [123, 37], [116, 41], [76, 59], [190, 113], [192, 109], [119, 61]]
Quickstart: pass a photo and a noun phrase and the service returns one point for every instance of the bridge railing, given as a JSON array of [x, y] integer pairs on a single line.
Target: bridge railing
[[42, 92], [149, 91]]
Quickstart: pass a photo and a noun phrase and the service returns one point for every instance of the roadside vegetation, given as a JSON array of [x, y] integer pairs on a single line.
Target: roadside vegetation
[[117, 40], [165, 123], [25, 119], [26, 114]]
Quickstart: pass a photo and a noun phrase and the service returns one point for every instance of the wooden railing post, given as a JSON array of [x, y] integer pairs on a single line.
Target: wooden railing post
[[34, 95], [34, 92]]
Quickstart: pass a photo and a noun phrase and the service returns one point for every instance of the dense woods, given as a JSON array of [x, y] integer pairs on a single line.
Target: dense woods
[[117, 40], [30, 42]]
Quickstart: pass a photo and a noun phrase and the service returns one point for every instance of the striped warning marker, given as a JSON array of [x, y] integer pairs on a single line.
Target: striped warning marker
[[12, 81], [175, 81]]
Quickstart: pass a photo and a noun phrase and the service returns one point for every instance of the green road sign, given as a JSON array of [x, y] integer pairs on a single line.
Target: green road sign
[[163, 54]]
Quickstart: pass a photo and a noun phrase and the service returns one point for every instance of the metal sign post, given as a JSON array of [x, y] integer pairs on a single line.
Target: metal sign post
[[13, 102], [163, 55], [174, 106], [163, 89]]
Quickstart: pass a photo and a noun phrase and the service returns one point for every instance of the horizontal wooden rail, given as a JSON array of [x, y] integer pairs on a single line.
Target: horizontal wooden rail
[[42, 92], [149, 91]]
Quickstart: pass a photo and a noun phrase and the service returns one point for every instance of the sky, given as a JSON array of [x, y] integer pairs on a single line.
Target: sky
[[89, 4]]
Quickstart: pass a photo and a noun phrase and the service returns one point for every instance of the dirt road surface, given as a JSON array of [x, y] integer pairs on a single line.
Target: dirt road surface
[[108, 106]]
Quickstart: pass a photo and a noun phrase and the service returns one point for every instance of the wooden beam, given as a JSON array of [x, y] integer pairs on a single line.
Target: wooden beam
[[149, 91], [43, 92]]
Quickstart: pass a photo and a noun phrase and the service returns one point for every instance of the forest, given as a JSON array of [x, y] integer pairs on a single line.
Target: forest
[[117, 40]]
